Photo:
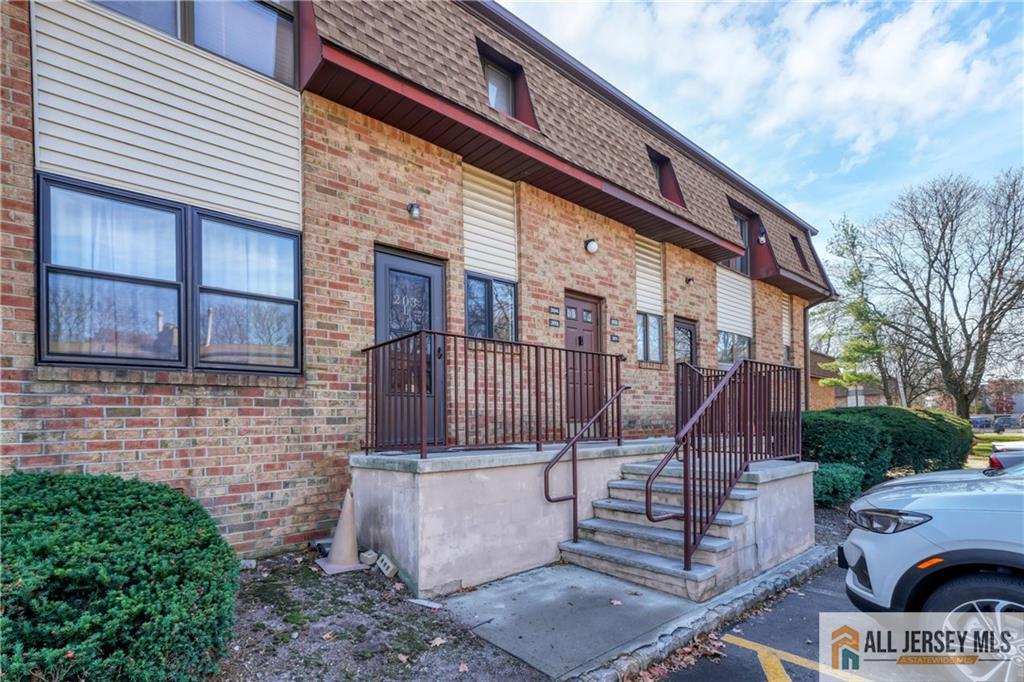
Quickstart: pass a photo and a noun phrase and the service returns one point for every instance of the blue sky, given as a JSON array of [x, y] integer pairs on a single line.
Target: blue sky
[[831, 108]]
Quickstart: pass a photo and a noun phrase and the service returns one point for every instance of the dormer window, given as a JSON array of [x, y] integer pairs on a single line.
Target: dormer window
[[506, 85], [500, 89], [741, 263], [665, 175], [799, 248]]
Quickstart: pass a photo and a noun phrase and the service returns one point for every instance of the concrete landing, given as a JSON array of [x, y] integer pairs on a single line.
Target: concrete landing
[[562, 620]]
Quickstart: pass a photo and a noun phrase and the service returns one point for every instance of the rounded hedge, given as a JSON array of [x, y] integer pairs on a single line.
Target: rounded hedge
[[836, 436], [836, 482], [923, 440], [111, 579]]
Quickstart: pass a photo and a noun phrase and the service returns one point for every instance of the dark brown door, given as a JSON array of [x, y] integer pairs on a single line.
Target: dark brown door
[[408, 297], [685, 337], [583, 367]]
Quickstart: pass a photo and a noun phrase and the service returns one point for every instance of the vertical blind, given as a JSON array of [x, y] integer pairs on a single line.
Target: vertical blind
[[650, 287], [489, 224], [787, 321]]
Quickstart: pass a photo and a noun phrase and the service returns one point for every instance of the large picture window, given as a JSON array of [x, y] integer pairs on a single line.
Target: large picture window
[[733, 347], [490, 308], [258, 35], [114, 274], [648, 338]]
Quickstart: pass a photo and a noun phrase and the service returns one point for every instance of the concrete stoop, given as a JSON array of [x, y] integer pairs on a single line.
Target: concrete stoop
[[621, 541]]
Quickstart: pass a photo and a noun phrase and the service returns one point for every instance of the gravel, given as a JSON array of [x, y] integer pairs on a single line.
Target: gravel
[[830, 525], [293, 622]]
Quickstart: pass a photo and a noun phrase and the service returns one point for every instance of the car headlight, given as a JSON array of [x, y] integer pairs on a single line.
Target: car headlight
[[887, 520]]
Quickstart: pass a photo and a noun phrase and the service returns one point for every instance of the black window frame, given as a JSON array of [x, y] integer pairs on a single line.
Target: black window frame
[[741, 264], [198, 288], [646, 355], [732, 361], [188, 273], [489, 281], [692, 325], [186, 31]]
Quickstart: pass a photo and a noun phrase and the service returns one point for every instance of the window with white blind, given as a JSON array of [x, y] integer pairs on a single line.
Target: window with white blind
[[490, 251], [650, 300]]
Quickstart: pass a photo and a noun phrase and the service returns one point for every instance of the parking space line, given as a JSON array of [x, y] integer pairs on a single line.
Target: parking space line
[[767, 653]]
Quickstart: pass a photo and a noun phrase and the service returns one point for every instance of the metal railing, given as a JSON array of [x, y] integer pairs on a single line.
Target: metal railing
[[693, 385], [571, 445], [435, 390], [751, 415]]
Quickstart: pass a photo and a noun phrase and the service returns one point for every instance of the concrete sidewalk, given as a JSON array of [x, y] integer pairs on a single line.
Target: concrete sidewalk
[[567, 621]]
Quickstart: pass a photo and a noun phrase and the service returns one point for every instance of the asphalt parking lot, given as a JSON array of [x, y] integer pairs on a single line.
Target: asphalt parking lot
[[780, 643]]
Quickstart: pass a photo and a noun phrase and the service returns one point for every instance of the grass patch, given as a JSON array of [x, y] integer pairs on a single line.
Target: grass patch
[[983, 442]]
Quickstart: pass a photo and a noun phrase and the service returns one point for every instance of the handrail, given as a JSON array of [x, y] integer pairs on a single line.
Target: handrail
[[680, 437], [571, 444], [752, 414]]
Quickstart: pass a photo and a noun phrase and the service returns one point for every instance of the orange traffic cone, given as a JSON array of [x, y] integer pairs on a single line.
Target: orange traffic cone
[[344, 555]]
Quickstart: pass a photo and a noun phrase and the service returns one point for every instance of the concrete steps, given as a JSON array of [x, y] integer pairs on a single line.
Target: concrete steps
[[620, 540]]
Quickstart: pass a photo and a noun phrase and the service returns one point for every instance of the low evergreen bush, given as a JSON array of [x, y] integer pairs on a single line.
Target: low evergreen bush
[[830, 436], [110, 579], [836, 483]]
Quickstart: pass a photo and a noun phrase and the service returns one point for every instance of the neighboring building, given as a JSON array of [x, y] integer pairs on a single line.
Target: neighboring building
[[859, 396], [201, 236], [821, 397]]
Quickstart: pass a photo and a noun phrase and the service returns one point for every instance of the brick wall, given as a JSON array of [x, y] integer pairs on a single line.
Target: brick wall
[[823, 397], [268, 456]]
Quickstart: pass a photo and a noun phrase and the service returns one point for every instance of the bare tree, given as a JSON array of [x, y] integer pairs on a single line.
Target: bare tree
[[950, 254]]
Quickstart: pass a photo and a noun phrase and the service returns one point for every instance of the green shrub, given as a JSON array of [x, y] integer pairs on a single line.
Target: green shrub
[[831, 436], [923, 440], [111, 579], [836, 482]]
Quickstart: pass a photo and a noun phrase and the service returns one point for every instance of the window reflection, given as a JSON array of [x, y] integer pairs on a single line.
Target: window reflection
[[104, 317], [246, 331]]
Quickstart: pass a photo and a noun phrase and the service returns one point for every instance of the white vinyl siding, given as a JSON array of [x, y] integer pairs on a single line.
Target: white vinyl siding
[[735, 303], [650, 280], [120, 104], [787, 321], [489, 224]]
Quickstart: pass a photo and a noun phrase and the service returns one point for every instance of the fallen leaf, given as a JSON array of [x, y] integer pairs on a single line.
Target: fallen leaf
[[403, 658], [328, 636], [632, 593], [398, 587], [810, 641], [438, 641], [616, 602], [463, 668]]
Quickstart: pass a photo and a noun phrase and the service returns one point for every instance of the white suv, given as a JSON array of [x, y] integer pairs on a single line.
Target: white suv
[[945, 541]]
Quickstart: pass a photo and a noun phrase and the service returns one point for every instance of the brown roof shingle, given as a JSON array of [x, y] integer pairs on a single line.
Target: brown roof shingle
[[434, 45]]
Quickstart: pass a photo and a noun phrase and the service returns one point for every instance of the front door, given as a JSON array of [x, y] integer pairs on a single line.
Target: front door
[[408, 297], [686, 341], [583, 369]]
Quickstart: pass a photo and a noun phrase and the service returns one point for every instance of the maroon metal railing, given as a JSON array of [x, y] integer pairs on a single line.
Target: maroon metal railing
[[612, 402], [435, 390], [751, 415], [693, 386]]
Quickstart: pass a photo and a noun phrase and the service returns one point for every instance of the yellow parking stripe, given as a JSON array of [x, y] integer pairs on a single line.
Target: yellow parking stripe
[[772, 667], [766, 652]]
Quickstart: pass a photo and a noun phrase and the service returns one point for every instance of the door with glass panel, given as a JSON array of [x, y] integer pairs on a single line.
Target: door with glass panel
[[408, 296], [685, 337], [583, 371]]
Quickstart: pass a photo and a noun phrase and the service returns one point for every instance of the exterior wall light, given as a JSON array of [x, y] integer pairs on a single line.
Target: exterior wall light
[[762, 236], [414, 211], [590, 245]]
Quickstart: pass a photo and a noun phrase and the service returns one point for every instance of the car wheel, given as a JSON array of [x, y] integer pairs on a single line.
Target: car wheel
[[982, 592]]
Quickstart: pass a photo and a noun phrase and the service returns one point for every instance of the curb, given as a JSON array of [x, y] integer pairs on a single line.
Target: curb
[[716, 612]]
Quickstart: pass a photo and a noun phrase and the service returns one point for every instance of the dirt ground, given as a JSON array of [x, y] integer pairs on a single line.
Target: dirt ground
[[293, 622], [830, 525]]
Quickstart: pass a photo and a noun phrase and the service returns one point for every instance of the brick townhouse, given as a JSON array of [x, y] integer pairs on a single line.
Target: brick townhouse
[[211, 211]]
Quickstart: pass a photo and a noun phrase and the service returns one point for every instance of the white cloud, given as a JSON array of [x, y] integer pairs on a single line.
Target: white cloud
[[854, 75]]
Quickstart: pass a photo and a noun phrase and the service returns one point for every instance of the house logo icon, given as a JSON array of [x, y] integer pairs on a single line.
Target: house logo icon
[[845, 648]]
